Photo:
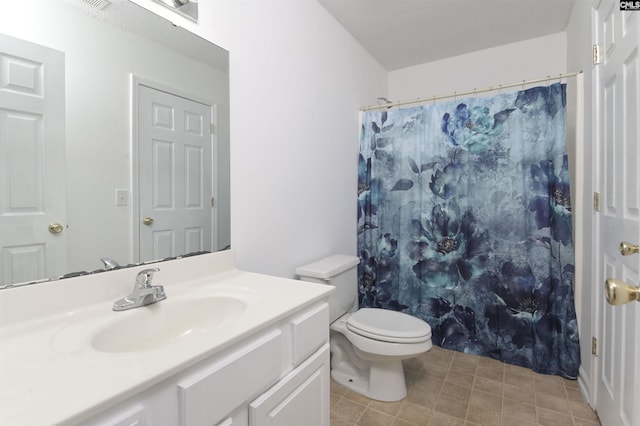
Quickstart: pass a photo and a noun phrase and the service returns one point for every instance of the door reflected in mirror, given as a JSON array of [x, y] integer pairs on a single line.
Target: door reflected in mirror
[[77, 147]]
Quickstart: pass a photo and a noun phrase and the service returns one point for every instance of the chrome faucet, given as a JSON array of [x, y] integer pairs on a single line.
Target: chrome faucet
[[109, 263], [143, 292]]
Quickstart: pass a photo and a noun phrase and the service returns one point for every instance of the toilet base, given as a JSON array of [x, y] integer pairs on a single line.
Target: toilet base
[[382, 381]]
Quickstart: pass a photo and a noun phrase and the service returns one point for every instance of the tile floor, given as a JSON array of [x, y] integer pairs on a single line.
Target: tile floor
[[449, 388]]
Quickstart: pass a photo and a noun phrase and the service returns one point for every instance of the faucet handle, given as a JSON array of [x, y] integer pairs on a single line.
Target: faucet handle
[[144, 277]]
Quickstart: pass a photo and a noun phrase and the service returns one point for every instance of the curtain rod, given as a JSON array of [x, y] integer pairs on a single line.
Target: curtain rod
[[470, 92]]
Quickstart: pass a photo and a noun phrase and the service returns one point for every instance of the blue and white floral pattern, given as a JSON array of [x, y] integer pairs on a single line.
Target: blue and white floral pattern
[[464, 220]]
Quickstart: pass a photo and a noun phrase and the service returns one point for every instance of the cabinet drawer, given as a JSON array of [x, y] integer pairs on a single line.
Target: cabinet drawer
[[209, 395], [300, 398], [309, 331], [134, 416]]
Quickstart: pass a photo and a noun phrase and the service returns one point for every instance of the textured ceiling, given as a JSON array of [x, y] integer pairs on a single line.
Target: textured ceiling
[[135, 19], [402, 33]]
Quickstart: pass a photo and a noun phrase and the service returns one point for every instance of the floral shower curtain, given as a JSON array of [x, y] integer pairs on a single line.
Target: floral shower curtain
[[464, 220]]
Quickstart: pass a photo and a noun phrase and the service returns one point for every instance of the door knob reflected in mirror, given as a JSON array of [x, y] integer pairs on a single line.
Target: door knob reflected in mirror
[[619, 292], [147, 221], [627, 248], [55, 228]]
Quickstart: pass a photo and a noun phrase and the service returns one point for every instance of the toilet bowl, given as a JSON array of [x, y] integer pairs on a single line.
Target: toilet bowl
[[367, 345]]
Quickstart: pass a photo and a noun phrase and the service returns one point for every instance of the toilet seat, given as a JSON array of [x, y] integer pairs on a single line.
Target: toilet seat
[[388, 326]]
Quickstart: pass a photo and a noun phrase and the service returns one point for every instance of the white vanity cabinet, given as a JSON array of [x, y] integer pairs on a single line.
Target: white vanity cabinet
[[277, 376]]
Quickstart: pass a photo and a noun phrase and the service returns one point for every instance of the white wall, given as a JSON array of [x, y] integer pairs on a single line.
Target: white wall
[[511, 63], [298, 80]]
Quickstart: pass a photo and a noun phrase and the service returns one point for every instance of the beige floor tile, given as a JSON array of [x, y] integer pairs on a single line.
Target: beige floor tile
[[399, 422], [456, 389], [460, 393], [439, 419], [484, 417], [451, 407], [571, 384], [339, 422], [333, 398], [356, 397], [337, 388], [580, 409], [386, 407], [425, 393], [372, 417], [517, 381], [433, 371], [459, 379], [547, 378], [439, 361], [464, 365], [516, 420], [347, 410], [491, 363], [582, 422], [551, 402], [548, 385], [487, 385], [574, 394], [517, 370], [487, 372], [522, 394], [410, 377], [414, 413], [414, 364], [428, 382], [552, 418], [488, 401], [518, 409]]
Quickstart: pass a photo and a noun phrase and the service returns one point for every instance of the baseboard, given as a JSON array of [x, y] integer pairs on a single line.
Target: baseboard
[[584, 383]]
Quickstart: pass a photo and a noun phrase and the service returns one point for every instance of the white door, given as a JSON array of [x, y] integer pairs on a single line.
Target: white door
[[175, 175], [618, 387], [32, 162]]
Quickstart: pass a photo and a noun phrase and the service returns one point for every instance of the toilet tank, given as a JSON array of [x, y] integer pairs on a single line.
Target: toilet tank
[[339, 271]]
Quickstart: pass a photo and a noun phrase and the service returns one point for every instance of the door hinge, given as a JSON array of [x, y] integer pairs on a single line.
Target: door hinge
[[596, 201], [597, 59], [212, 128], [594, 346], [213, 201]]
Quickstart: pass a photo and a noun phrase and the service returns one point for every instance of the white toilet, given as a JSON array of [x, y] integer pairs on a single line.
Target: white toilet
[[367, 345]]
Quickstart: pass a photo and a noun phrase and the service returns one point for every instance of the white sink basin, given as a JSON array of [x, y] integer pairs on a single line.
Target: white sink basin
[[166, 322]]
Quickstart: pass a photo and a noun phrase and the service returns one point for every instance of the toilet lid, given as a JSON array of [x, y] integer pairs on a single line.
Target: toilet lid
[[391, 326]]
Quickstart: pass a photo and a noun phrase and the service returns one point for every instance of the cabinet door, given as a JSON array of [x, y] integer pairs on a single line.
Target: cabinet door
[[300, 398]]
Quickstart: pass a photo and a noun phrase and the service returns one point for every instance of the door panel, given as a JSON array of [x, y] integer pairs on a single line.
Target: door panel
[[618, 387], [176, 169], [32, 161]]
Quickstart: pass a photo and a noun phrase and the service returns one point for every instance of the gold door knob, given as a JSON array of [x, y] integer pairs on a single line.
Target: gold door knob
[[627, 248], [619, 292], [147, 221], [55, 228]]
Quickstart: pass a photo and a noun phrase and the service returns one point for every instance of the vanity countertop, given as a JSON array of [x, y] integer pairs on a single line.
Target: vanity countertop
[[50, 372]]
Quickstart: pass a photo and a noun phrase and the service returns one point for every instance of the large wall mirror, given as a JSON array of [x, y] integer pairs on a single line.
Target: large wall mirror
[[114, 139]]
